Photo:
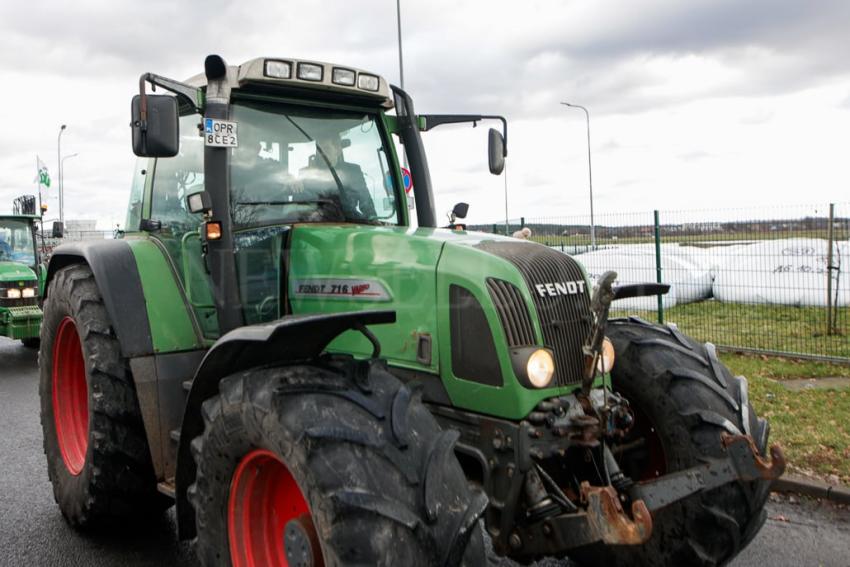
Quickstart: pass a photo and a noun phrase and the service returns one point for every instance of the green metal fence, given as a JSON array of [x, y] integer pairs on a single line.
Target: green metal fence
[[773, 281]]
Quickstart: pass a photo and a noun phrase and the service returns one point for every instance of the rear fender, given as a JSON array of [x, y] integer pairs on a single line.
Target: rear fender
[[120, 286], [293, 339]]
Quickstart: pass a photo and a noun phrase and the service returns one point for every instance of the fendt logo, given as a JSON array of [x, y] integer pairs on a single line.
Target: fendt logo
[[560, 288]]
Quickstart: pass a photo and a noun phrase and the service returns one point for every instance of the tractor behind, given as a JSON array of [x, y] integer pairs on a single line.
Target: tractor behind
[[21, 278]]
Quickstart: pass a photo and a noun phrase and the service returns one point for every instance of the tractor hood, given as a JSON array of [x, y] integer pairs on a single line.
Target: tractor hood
[[15, 272], [460, 298], [336, 268]]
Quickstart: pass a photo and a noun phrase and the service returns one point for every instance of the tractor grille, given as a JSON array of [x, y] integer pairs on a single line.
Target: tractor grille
[[5, 302], [564, 312], [512, 312]]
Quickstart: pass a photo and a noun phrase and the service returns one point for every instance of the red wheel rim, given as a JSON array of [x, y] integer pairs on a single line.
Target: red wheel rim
[[70, 397], [264, 498]]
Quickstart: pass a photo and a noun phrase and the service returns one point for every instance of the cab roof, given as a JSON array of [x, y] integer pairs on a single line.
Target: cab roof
[[298, 73]]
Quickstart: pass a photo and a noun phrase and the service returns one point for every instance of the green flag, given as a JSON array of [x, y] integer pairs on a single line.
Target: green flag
[[43, 174]]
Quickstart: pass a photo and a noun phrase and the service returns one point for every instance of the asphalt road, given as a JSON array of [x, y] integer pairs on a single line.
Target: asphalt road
[[32, 532]]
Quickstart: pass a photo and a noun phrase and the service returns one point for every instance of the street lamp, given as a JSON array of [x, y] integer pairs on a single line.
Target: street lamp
[[589, 174], [61, 188], [59, 172]]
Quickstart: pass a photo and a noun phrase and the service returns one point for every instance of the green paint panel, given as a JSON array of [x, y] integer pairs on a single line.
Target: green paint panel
[[15, 272], [171, 323], [398, 263]]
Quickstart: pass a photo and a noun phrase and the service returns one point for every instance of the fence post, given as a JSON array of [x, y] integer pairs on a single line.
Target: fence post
[[521, 222], [658, 266], [494, 229], [830, 311]]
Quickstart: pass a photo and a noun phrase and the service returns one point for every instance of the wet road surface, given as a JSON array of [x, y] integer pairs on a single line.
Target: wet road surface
[[33, 533]]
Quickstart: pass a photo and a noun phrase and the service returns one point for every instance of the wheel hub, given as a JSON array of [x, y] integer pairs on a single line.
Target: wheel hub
[[269, 521], [70, 397]]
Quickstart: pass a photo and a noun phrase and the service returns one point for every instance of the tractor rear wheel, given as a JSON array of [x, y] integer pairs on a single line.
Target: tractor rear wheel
[[683, 398], [97, 454], [310, 465]]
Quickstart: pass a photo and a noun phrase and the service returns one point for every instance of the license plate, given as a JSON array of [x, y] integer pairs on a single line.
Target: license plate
[[220, 133]]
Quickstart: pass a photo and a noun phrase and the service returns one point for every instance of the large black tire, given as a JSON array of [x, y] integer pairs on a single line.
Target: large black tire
[[684, 398], [111, 476], [379, 475]]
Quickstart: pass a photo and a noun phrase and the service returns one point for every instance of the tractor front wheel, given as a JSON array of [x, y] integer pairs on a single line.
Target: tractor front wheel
[[683, 399], [308, 465]]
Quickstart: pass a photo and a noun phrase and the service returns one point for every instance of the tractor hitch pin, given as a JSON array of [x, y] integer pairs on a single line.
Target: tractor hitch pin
[[592, 349]]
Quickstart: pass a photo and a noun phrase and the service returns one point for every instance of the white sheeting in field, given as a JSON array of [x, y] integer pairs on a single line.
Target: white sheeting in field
[[634, 264], [784, 272]]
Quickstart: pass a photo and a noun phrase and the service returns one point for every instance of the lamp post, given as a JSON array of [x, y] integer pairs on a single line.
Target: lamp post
[[59, 172], [589, 174], [62, 188], [400, 59]]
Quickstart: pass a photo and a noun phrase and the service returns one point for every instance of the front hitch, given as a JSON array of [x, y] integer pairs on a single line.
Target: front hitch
[[603, 519]]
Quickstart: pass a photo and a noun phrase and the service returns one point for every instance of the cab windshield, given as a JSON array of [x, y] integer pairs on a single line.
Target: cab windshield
[[16, 243], [295, 164]]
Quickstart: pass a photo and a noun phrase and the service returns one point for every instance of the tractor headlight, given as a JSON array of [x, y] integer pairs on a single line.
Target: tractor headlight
[[278, 69], [540, 368], [368, 82], [606, 358], [343, 77], [13, 293], [28, 292], [310, 72]]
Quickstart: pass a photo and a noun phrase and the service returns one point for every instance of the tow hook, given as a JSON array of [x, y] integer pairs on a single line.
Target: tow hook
[[747, 460], [609, 521]]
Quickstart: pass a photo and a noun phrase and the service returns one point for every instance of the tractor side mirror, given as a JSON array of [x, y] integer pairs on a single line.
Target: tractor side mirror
[[459, 211], [58, 230], [496, 151], [156, 126], [199, 203]]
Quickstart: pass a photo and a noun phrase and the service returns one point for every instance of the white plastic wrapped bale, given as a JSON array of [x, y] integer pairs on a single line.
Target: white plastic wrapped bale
[[631, 268], [685, 268], [784, 272]]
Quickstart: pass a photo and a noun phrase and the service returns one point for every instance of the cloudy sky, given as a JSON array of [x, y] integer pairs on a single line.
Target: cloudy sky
[[702, 104]]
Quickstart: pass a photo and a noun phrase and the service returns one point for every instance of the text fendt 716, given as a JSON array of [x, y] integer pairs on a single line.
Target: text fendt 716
[[312, 381]]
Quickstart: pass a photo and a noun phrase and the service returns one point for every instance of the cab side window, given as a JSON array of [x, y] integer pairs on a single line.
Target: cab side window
[[174, 179], [137, 195], [178, 177]]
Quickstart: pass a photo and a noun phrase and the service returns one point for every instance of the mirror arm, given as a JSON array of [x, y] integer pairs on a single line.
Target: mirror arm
[[191, 95], [434, 120]]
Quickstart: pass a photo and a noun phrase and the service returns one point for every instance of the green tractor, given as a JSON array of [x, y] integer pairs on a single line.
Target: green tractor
[[21, 279], [274, 348]]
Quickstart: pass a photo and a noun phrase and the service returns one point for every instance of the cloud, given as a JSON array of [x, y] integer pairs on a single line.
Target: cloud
[[704, 94]]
